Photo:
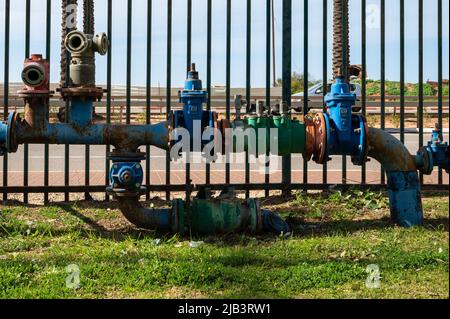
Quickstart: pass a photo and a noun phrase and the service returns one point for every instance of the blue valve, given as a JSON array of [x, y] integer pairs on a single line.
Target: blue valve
[[346, 132], [435, 154], [193, 97], [126, 174]]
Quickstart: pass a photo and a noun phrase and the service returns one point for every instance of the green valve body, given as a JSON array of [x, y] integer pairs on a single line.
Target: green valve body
[[290, 137]]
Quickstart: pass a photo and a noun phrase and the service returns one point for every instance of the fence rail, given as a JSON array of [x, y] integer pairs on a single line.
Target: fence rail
[[166, 101]]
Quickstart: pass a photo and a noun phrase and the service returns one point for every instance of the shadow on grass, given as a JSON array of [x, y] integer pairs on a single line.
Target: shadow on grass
[[300, 227]]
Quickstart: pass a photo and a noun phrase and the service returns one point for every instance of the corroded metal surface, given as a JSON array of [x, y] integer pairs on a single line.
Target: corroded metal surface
[[341, 46], [90, 92], [390, 152], [316, 138]]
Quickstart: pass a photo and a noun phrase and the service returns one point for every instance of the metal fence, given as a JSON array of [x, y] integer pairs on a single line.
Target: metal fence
[[148, 103]]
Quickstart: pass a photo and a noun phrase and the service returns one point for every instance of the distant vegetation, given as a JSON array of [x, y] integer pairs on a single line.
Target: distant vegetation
[[393, 88], [373, 86]]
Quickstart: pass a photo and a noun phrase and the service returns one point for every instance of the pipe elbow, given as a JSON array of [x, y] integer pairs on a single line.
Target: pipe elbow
[[403, 179], [389, 151], [163, 220]]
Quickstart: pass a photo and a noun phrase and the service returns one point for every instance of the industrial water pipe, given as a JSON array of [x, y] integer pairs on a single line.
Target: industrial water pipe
[[338, 131]]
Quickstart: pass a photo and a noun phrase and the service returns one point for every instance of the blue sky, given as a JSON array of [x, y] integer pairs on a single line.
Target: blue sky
[[238, 39]]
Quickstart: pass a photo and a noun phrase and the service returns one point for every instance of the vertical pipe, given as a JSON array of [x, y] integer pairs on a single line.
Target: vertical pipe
[[325, 72], [129, 30], [27, 54], [228, 84], [268, 30], [208, 74], [48, 53], [6, 91], [440, 66], [383, 73], [363, 70], [248, 83], [402, 71], [305, 81], [168, 84], [148, 92], [287, 71], [420, 108], [108, 89], [188, 63]]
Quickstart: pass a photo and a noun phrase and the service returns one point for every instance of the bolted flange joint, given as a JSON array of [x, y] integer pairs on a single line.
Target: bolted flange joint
[[126, 174]]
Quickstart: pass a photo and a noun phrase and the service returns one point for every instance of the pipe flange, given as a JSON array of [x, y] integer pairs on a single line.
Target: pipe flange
[[425, 164], [320, 141], [89, 92], [124, 156], [363, 150], [178, 222], [11, 140], [45, 94], [122, 192]]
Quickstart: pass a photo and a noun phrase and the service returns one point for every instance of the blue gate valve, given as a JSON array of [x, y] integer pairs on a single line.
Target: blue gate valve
[[126, 174], [193, 97], [346, 131], [436, 153]]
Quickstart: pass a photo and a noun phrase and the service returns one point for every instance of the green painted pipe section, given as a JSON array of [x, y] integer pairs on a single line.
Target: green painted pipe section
[[208, 217], [290, 137]]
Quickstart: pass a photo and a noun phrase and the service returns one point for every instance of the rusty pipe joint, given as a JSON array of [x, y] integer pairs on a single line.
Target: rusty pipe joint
[[36, 91], [83, 48]]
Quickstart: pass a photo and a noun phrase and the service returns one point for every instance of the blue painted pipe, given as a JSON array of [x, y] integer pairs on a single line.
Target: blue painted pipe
[[124, 137], [149, 218], [403, 179]]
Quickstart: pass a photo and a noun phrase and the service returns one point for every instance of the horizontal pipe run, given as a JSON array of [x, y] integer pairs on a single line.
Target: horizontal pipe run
[[124, 137]]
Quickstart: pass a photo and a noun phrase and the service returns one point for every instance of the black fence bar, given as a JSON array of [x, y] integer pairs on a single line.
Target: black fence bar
[[305, 80], [168, 84], [420, 65], [324, 71], [129, 38], [440, 66], [228, 84], [268, 83], [6, 89], [345, 63], [188, 62], [109, 88], [286, 82], [148, 91], [88, 29], [383, 74], [363, 71], [48, 38], [248, 81], [27, 55], [402, 71], [208, 74]]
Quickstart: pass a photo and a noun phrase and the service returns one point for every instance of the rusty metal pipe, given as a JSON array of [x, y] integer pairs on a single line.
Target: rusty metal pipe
[[389, 151], [126, 137], [403, 179]]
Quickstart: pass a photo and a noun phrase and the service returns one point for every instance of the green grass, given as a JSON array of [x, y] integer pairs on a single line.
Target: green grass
[[335, 238]]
